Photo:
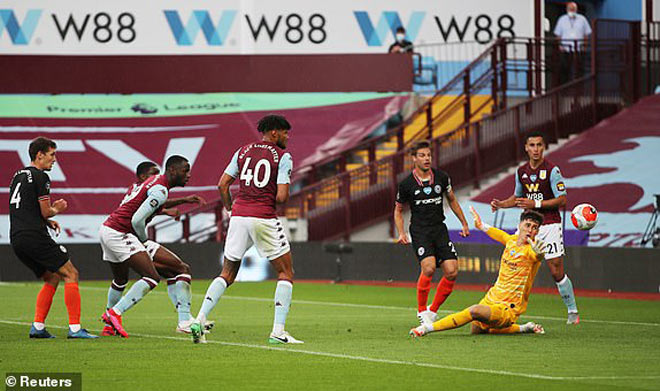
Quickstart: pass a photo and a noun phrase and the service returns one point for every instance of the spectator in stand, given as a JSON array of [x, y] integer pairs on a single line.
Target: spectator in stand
[[401, 45], [573, 30]]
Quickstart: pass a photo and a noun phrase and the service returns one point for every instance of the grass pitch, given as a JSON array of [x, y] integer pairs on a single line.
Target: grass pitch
[[355, 339]]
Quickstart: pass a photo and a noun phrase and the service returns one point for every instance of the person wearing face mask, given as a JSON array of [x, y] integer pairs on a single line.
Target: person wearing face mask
[[572, 29], [401, 45]]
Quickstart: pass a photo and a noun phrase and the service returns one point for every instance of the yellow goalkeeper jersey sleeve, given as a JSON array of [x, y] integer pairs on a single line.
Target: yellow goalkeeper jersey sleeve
[[518, 268]]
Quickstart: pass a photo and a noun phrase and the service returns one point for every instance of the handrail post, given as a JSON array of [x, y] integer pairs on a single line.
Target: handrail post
[[477, 156], [503, 82], [530, 74], [373, 167], [594, 71], [346, 190], [466, 91], [555, 114], [516, 131], [493, 82], [429, 117]]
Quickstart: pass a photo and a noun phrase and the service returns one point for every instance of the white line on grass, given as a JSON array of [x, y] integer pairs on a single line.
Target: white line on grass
[[374, 307], [379, 360], [385, 307]]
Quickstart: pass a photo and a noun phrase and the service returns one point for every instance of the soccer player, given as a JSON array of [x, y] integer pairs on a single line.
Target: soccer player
[[498, 311], [30, 213], [424, 190], [124, 233], [167, 264], [263, 170], [540, 186]]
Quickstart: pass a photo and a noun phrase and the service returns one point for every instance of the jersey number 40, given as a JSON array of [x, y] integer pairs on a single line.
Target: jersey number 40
[[259, 175]]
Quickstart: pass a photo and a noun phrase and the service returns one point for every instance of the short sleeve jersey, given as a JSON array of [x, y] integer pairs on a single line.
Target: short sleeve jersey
[[28, 187], [259, 168], [120, 219], [543, 183], [425, 199]]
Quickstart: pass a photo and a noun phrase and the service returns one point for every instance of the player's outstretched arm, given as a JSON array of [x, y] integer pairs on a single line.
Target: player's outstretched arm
[[191, 199], [458, 212], [494, 233], [223, 186], [398, 222]]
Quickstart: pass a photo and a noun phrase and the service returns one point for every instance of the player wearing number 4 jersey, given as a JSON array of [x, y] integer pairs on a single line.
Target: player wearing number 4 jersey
[[30, 211], [540, 186], [263, 170]]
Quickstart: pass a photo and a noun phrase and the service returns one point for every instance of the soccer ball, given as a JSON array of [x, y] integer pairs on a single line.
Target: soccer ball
[[584, 217]]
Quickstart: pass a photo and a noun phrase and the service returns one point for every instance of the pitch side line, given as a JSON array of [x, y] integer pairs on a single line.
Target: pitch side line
[[379, 307], [378, 360]]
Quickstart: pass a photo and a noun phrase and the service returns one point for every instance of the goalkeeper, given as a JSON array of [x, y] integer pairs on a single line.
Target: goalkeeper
[[498, 311]]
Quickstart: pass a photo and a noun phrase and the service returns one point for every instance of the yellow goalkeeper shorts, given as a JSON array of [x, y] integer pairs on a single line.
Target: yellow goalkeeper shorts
[[501, 316]]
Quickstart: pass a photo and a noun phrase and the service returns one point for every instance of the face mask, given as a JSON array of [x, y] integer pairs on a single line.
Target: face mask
[[400, 37], [571, 14]]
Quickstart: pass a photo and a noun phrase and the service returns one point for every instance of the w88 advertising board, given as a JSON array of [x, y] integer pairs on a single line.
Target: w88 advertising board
[[251, 27]]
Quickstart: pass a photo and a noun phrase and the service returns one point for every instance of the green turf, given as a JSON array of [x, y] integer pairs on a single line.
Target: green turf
[[349, 340]]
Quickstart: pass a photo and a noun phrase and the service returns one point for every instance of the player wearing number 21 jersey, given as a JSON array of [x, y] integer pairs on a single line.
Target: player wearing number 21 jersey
[[263, 170]]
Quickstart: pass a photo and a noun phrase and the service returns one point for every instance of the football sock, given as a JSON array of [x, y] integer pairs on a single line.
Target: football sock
[[213, 294], [565, 287], [114, 294], [138, 290], [184, 296], [171, 290], [514, 328], [423, 288], [283, 293], [445, 287], [72, 301], [44, 300], [453, 321]]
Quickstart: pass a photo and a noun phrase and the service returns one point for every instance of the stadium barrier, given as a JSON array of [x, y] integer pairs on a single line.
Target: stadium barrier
[[614, 269]]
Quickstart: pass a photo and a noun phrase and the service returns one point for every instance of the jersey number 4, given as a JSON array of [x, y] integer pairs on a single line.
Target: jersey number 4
[[260, 175], [16, 197]]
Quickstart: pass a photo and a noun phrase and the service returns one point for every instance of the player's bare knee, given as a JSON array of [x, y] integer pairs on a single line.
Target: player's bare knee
[[428, 270], [451, 274], [70, 274], [51, 279]]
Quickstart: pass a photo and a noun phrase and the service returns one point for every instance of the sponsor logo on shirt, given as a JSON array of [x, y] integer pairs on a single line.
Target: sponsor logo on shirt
[[531, 188]]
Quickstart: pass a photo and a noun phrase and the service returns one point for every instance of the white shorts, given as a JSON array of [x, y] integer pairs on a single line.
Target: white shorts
[[267, 235], [151, 247], [118, 246], [552, 236]]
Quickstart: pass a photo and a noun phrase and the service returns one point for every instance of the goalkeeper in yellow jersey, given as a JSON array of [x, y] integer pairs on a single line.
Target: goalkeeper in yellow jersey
[[498, 311]]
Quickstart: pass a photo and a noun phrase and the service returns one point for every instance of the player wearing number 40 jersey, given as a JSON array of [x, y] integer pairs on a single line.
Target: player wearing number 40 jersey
[[263, 170]]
